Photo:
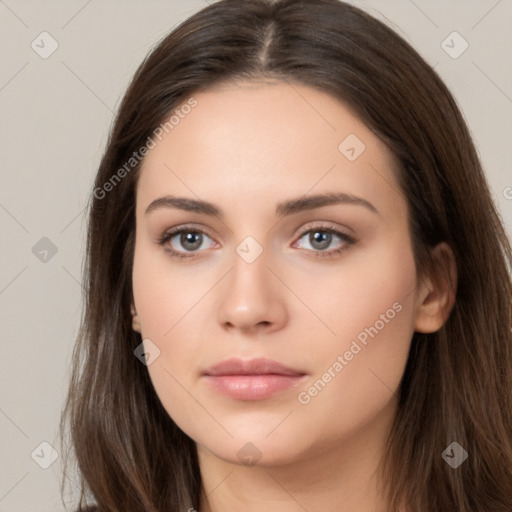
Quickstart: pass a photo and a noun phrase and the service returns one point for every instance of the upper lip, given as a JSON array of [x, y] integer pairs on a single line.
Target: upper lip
[[260, 366]]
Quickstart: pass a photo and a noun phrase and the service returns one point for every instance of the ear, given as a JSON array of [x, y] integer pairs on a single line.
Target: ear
[[135, 318], [436, 295]]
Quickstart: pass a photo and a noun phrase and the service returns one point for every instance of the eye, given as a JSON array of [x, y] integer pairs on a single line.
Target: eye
[[180, 241], [187, 242], [321, 238]]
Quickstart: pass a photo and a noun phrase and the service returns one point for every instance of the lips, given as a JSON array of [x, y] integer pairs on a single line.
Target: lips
[[254, 379]]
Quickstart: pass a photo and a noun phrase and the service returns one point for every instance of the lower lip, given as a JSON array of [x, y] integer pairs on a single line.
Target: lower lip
[[252, 387]]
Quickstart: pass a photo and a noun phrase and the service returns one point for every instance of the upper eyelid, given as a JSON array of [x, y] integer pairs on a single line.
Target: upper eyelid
[[317, 225]]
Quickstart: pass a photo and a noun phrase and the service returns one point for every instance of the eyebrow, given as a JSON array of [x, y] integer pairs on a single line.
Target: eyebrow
[[285, 208]]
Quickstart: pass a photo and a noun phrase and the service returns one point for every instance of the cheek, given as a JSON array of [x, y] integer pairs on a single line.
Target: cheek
[[167, 301], [359, 370], [363, 291], [164, 293]]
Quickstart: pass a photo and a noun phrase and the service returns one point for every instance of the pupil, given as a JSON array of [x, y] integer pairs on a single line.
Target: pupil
[[191, 240], [321, 239]]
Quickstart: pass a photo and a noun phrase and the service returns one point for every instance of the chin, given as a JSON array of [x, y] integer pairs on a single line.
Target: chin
[[250, 454], [250, 447]]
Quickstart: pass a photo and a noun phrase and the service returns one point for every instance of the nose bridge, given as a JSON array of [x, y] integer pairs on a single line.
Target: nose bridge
[[251, 296]]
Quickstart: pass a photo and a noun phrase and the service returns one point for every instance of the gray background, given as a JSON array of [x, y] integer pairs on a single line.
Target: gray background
[[56, 113]]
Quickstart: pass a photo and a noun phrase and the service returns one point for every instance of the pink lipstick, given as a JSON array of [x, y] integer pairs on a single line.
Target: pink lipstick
[[254, 379]]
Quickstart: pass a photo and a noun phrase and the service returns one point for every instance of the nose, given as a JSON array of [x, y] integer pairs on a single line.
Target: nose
[[252, 298]]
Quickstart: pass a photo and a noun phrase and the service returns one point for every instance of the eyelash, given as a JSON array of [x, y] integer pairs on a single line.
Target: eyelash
[[349, 240]]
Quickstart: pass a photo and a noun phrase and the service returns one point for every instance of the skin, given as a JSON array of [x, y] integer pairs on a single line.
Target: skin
[[245, 148]]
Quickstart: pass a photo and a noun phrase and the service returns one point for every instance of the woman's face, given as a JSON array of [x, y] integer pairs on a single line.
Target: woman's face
[[267, 266]]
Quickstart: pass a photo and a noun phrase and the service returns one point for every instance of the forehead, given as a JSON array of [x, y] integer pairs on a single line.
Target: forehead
[[268, 140]]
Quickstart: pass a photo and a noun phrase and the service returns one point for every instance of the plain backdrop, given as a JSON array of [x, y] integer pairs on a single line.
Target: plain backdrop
[[55, 116]]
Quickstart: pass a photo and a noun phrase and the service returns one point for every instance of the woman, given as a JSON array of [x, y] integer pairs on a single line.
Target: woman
[[298, 293]]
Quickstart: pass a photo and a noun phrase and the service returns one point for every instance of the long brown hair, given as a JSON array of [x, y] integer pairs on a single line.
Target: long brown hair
[[457, 385]]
